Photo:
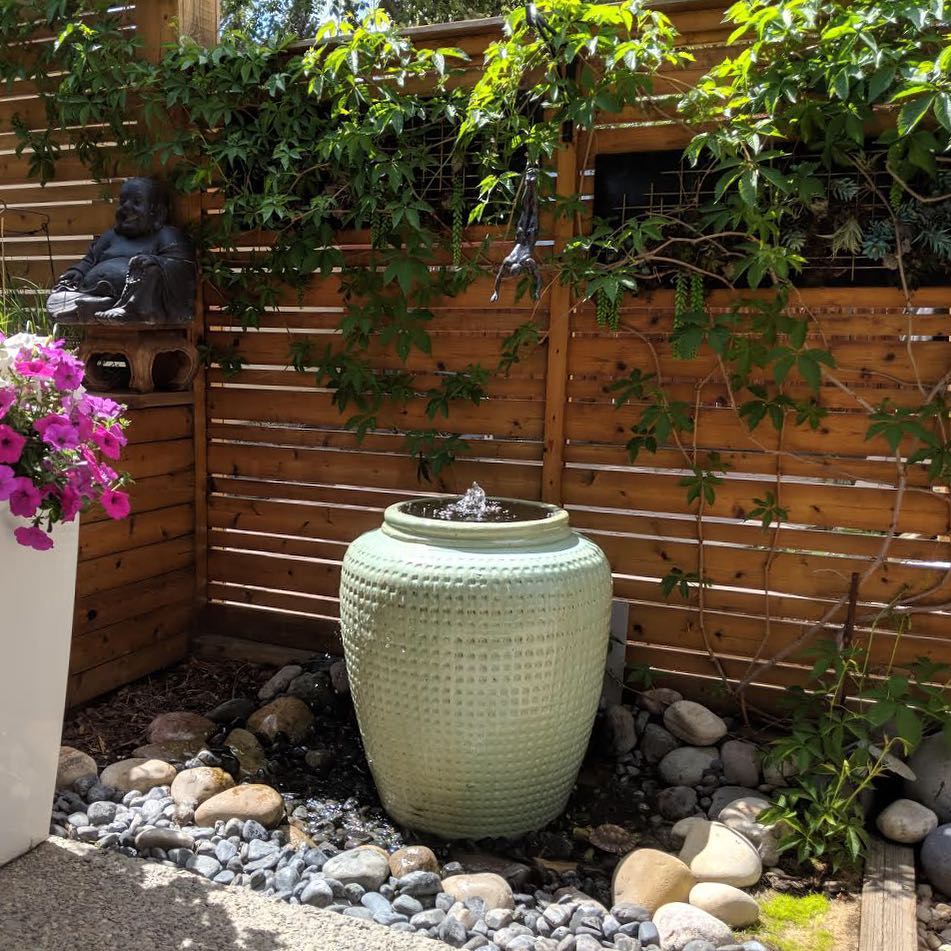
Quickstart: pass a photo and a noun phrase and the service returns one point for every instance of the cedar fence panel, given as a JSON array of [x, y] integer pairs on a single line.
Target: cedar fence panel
[[248, 491], [290, 487]]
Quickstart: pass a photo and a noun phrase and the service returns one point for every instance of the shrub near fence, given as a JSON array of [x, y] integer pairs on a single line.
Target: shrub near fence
[[288, 485]]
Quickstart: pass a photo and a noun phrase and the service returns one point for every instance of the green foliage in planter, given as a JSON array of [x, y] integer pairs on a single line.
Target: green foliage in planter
[[846, 726]]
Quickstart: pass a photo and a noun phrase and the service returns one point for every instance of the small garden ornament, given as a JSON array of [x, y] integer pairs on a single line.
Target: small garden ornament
[[521, 258]]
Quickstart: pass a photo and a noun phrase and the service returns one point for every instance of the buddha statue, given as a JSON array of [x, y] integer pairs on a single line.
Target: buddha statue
[[141, 271]]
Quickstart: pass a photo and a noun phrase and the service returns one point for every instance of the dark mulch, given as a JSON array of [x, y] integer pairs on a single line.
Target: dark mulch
[[112, 726]]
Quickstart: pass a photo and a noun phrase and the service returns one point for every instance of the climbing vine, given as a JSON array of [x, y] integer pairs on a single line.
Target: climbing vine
[[839, 122]]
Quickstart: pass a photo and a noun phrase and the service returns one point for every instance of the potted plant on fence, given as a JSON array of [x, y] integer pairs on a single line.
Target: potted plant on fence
[[55, 439]]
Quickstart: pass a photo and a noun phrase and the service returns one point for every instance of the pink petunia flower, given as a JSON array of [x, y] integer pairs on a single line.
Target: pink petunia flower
[[7, 398], [33, 537], [11, 444], [68, 375], [61, 436], [7, 480], [25, 498], [110, 441], [70, 503], [33, 366], [116, 504]]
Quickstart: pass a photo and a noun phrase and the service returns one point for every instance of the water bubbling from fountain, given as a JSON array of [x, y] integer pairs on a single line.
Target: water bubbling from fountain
[[474, 506], [471, 507]]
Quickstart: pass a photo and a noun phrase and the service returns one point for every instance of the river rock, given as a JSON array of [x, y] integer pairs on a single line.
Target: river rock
[[138, 773], [677, 802], [656, 743], [779, 774], [936, 858], [658, 699], [491, 888], [694, 723], [191, 787], [679, 923], [650, 878], [364, 867], [715, 853], [741, 763], [252, 801], [180, 726], [238, 709], [618, 729], [931, 763], [166, 839], [279, 682], [686, 765], [741, 816], [723, 796], [74, 764], [906, 821], [247, 750], [413, 858], [287, 715], [313, 687], [733, 907]]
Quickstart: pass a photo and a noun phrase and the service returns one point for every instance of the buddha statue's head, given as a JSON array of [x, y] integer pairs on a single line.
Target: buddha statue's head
[[143, 207]]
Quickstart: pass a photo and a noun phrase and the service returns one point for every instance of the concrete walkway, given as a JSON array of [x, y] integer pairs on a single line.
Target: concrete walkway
[[66, 896]]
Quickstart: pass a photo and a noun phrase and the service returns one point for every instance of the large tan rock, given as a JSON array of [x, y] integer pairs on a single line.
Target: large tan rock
[[180, 726], [287, 715], [248, 751], [694, 723], [491, 888], [715, 853], [191, 787], [650, 878], [138, 773], [413, 858], [73, 765], [253, 801], [733, 907]]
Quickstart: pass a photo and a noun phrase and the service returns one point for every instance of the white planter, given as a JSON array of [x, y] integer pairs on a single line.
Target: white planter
[[37, 589], [476, 653]]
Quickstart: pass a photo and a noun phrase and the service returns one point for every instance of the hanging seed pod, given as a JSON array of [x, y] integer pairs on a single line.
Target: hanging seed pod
[[681, 292], [457, 220], [606, 310]]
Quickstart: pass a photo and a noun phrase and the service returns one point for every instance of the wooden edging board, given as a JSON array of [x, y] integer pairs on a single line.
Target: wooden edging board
[[888, 899]]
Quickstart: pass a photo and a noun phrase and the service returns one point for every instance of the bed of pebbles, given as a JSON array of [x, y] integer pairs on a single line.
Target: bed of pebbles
[[273, 794]]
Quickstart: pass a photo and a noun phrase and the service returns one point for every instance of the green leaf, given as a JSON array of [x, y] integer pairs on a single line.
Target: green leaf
[[880, 80], [942, 110], [912, 113]]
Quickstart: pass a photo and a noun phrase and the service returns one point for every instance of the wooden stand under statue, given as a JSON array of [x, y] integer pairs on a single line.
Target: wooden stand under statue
[[133, 298]]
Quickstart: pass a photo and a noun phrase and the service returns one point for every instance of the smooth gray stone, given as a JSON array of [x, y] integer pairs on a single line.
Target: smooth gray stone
[[204, 865], [317, 893]]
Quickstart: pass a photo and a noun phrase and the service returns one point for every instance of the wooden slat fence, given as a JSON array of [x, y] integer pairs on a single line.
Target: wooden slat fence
[[288, 487]]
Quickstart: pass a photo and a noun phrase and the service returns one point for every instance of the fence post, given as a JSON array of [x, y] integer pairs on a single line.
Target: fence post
[[159, 22], [163, 21], [559, 336]]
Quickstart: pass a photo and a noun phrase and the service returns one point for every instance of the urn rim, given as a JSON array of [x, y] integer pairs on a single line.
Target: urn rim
[[551, 526]]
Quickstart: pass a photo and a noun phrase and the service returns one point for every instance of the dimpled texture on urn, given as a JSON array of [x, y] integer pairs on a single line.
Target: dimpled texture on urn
[[475, 671]]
